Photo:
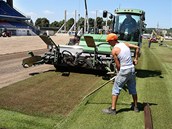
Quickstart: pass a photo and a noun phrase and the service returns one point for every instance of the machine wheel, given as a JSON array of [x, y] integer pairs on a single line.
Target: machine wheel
[[68, 58]]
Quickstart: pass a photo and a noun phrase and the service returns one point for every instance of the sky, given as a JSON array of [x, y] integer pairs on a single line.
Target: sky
[[158, 12]]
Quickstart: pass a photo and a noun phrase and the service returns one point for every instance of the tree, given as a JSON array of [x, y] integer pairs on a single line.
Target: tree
[[109, 23], [31, 22], [38, 22], [91, 22], [42, 22], [99, 22], [61, 23], [55, 24], [69, 23], [81, 22], [45, 22]]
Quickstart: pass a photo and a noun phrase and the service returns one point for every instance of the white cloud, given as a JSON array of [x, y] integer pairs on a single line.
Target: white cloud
[[31, 15], [48, 12], [100, 11], [93, 13]]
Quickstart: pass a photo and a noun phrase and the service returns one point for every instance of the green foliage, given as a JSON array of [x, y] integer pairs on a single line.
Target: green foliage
[[109, 22], [81, 22], [61, 23], [169, 31], [69, 23], [31, 22], [55, 24], [42, 22], [99, 22], [91, 22]]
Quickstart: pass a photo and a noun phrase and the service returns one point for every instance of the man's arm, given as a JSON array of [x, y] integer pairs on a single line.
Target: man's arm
[[137, 49], [114, 53]]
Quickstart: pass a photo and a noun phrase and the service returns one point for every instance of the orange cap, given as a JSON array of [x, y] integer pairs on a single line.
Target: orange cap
[[111, 36]]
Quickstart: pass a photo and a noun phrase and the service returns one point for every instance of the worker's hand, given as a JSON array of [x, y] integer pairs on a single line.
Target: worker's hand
[[135, 61]]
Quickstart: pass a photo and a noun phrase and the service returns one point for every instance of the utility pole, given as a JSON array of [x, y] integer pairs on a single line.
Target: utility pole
[[75, 21], [65, 14], [95, 23], [86, 26]]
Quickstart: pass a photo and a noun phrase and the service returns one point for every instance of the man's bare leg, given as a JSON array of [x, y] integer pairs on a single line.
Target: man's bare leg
[[135, 103], [114, 101]]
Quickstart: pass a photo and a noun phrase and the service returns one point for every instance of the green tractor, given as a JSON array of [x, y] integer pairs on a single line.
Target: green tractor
[[93, 54], [128, 24]]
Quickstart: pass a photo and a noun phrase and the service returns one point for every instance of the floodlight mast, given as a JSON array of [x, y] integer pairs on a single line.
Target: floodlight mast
[[86, 26]]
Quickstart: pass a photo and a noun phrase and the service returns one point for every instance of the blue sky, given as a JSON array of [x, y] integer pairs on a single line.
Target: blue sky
[[158, 12]]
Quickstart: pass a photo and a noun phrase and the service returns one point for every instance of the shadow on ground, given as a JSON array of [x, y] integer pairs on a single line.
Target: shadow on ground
[[147, 73], [36, 73], [140, 107], [65, 71], [130, 106]]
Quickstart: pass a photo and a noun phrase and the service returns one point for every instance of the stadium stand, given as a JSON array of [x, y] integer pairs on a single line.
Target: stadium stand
[[13, 21], [7, 10]]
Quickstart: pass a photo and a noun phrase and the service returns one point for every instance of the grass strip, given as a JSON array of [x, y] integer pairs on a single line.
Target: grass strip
[[153, 86]]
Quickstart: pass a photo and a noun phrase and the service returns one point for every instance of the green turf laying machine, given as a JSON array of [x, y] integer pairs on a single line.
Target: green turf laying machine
[[93, 54]]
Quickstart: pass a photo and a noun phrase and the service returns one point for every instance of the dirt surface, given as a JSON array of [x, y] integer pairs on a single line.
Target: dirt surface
[[28, 43], [14, 49]]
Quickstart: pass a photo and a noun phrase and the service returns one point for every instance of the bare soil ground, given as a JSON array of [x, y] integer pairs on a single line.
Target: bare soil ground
[[47, 94], [28, 43], [14, 49]]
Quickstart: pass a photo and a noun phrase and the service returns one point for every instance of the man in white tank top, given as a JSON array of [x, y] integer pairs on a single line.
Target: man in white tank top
[[126, 71]]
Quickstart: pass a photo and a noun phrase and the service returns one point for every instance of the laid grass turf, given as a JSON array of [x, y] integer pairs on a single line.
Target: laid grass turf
[[50, 101], [154, 87], [16, 120], [48, 95]]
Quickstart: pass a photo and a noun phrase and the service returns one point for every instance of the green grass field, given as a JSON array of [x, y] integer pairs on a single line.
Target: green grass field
[[52, 101], [153, 85]]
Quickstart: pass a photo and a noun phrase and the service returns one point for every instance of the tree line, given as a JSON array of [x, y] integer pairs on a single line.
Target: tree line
[[44, 22], [159, 31]]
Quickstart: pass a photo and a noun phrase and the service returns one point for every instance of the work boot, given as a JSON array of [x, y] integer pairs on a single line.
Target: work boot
[[136, 109], [109, 111]]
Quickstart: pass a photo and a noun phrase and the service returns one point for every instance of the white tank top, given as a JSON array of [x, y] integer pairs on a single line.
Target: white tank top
[[124, 56]]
